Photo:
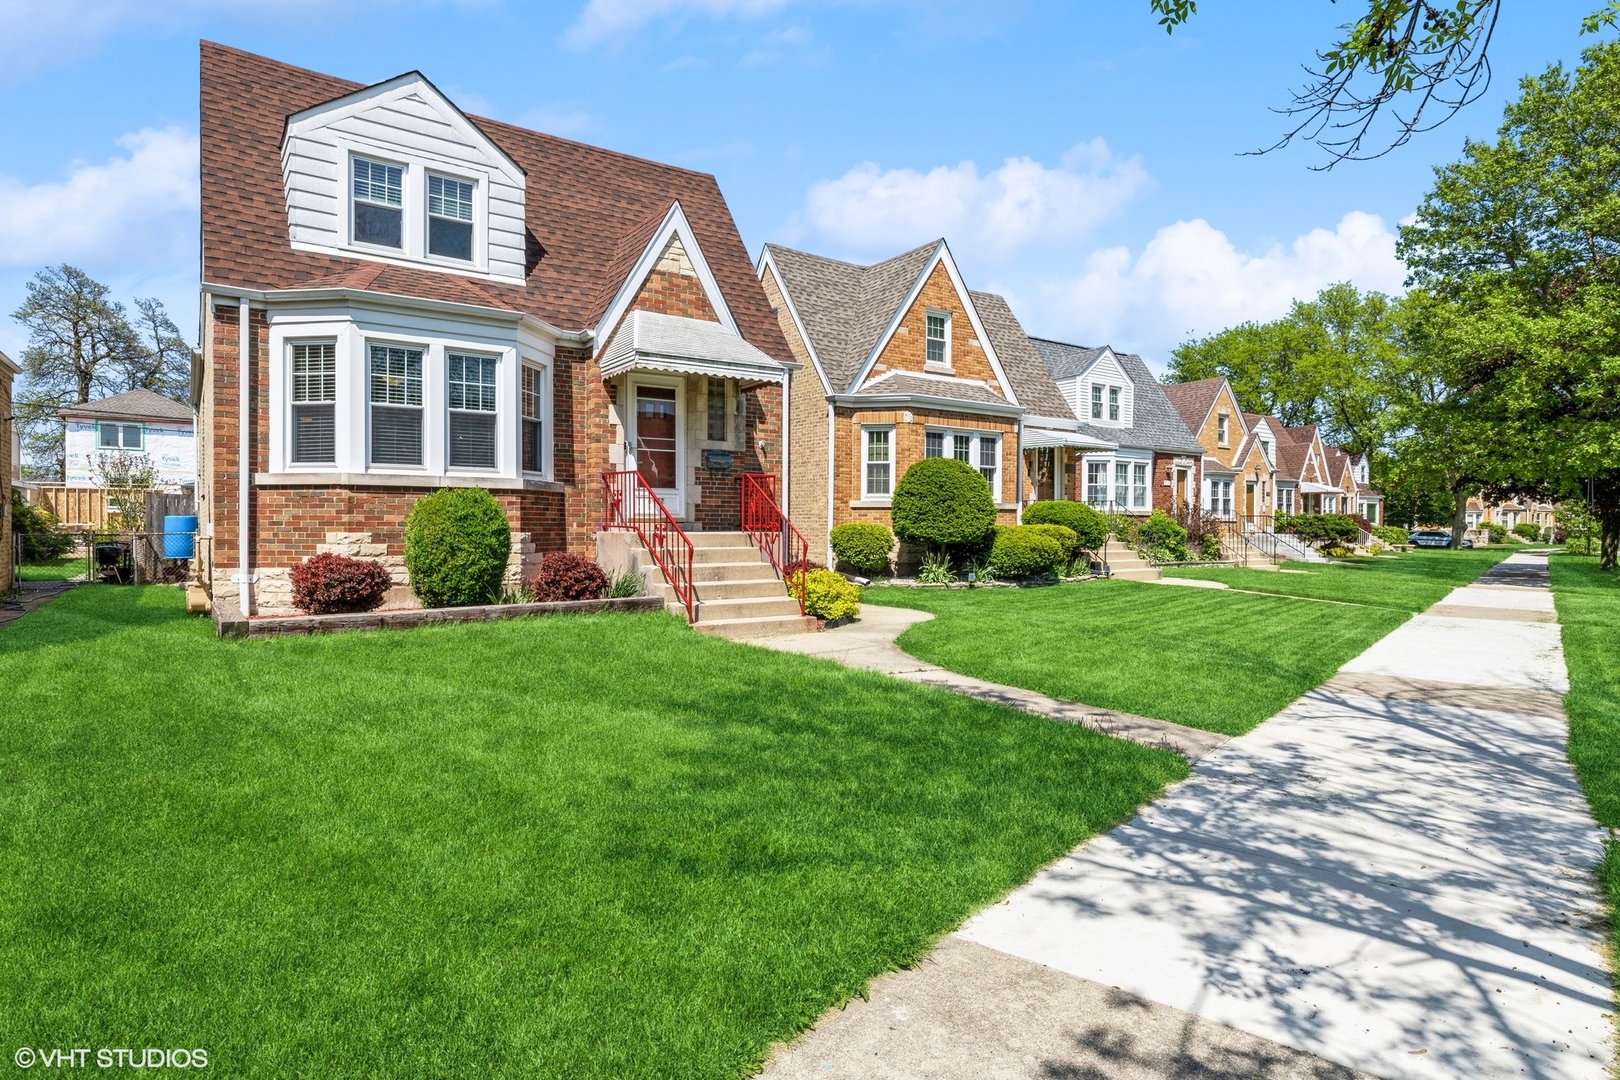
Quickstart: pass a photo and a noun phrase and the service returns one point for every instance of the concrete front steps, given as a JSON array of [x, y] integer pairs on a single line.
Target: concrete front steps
[[738, 593], [1126, 563]]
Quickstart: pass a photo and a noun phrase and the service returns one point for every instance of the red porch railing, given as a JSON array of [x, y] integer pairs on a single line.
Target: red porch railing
[[769, 529], [632, 504]]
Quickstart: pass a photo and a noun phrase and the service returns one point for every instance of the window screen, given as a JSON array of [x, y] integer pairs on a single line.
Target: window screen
[[314, 391], [533, 448], [396, 405], [450, 215], [378, 203], [472, 411]]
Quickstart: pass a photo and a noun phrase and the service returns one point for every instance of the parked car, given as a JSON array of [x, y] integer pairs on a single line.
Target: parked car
[[1434, 538]]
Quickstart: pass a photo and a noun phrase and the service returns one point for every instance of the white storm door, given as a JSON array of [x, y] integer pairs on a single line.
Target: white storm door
[[658, 419]]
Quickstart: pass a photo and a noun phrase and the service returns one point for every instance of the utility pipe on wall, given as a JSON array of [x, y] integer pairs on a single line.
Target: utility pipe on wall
[[244, 457]]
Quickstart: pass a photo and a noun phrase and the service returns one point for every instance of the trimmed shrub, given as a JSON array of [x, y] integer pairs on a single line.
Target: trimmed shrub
[[456, 546], [1498, 534], [863, 545], [1090, 528], [330, 583], [827, 595], [943, 503], [1024, 551], [1209, 545], [1162, 537], [1067, 540], [566, 576], [1335, 529], [1391, 534], [1527, 531]]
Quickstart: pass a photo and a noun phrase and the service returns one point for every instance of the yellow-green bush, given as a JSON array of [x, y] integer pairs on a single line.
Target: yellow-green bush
[[827, 595]]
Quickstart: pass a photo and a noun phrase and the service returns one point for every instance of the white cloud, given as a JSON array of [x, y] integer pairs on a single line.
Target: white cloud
[[136, 210], [872, 211], [602, 20], [1192, 280]]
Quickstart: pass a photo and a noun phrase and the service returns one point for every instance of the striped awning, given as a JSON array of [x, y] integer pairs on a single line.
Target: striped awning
[[649, 341]]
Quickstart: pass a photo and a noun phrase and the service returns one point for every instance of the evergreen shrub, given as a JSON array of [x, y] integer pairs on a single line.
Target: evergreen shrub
[[1024, 551], [1090, 527], [456, 545], [1162, 537], [1391, 534], [943, 503], [863, 545], [827, 595]]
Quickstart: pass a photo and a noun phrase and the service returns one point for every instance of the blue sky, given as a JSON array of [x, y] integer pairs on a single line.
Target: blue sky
[[1077, 158]]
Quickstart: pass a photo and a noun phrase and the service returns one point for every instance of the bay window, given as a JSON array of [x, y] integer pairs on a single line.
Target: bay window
[[1097, 483], [933, 444], [472, 410], [314, 398], [533, 449], [1122, 484], [396, 405], [1139, 485]]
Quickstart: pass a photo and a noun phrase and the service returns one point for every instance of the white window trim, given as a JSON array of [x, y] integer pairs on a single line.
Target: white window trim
[[1223, 429], [120, 448], [414, 214], [405, 203], [976, 437], [480, 233], [502, 422], [288, 402], [431, 374], [866, 492], [527, 363], [1112, 462], [947, 364]]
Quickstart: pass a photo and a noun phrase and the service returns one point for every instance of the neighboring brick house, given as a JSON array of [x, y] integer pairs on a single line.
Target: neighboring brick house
[[1143, 457], [1239, 465], [902, 361], [430, 300], [137, 422], [10, 467]]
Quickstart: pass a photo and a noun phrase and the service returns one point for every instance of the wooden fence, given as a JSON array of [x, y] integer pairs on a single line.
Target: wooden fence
[[74, 507]]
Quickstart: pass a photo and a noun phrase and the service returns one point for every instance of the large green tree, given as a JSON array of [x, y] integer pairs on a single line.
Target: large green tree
[[1521, 239]]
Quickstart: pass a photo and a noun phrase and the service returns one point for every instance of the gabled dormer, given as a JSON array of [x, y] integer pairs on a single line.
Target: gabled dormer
[[1266, 438], [1102, 394], [396, 173]]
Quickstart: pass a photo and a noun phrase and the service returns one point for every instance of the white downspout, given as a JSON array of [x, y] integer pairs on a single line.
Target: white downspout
[[787, 445], [1018, 494], [244, 457], [832, 469]]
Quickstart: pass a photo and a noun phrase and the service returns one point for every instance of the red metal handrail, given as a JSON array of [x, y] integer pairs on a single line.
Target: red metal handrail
[[632, 504], [770, 530]]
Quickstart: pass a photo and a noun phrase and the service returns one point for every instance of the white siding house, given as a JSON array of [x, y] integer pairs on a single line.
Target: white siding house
[[136, 422]]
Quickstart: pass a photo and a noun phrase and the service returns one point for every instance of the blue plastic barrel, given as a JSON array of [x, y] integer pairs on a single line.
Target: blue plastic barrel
[[179, 536]]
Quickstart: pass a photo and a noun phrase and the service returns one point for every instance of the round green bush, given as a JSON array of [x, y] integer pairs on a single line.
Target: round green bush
[[943, 503], [456, 545], [1163, 536], [1065, 536], [1390, 534], [827, 595], [1024, 551], [1090, 527], [863, 545], [1526, 530]]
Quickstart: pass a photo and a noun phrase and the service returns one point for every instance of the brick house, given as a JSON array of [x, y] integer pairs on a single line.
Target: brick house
[[1239, 463], [901, 362], [1141, 456], [10, 467], [426, 299]]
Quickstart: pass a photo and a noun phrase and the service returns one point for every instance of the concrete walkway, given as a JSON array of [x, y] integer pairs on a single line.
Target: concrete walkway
[[869, 644], [1393, 875]]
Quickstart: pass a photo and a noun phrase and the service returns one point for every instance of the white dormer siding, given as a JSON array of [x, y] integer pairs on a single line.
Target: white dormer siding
[[1103, 387], [404, 123]]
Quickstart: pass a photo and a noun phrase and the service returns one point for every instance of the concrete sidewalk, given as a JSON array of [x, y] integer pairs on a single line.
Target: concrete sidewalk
[[1393, 875]]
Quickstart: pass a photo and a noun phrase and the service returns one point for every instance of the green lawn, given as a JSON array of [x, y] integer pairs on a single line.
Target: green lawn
[[1411, 581], [1588, 602], [588, 847], [65, 568], [1217, 660]]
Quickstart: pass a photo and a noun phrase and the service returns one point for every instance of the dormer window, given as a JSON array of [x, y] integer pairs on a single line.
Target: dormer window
[[450, 216], [1265, 448], [379, 214], [1096, 401], [1222, 438], [1113, 403]]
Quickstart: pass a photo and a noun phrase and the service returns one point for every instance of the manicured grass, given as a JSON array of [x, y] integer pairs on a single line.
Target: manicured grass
[[1221, 661], [1409, 581], [1588, 602], [595, 846], [65, 568]]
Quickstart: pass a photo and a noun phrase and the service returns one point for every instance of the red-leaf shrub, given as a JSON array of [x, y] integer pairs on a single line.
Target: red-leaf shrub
[[566, 576], [331, 583]]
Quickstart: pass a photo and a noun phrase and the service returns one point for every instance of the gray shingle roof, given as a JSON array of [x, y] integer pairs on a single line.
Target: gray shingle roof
[[845, 307], [134, 405], [1031, 382], [1155, 424], [924, 386]]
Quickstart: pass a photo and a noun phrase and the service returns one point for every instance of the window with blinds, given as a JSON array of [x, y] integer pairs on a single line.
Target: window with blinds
[[450, 215], [533, 449], [396, 405], [378, 203], [314, 397], [472, 410]]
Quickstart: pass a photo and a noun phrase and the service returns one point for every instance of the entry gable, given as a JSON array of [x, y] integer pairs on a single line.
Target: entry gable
[[938, 291], [669, 277], [420, 142]]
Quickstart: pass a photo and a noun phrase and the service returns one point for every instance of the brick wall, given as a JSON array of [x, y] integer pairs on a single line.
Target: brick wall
[[1165, 467], [909, 427], [673, 287], [1209, 434], [907, 350], [807, 413]]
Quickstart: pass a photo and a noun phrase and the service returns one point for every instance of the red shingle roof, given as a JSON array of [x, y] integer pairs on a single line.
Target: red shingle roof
[[1193, 400], [582, 205]]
